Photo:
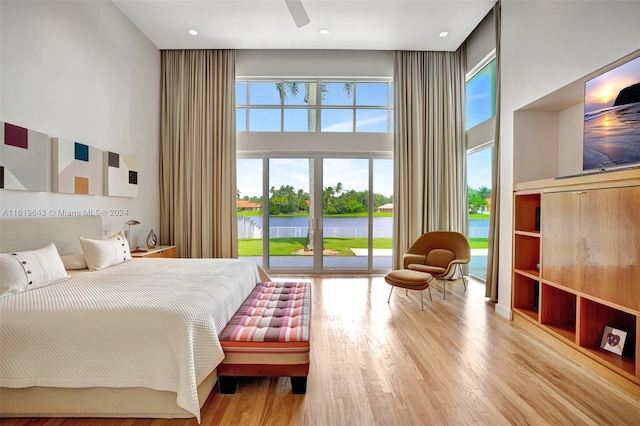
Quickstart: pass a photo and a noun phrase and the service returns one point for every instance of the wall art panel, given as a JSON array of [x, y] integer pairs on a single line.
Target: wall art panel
[[120, 175], [77, 167], [24, 159]]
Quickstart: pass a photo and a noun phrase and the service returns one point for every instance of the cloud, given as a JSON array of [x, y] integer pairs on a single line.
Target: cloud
[[361, 123]]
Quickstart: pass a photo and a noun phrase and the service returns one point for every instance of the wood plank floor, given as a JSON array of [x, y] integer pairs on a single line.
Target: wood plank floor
[[456, 363]]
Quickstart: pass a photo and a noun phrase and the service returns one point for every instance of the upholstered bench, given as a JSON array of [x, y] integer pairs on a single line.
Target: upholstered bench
[[269, 336], [409, 280]]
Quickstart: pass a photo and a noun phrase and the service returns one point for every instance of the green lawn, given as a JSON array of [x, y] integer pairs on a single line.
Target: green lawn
[[287, 246], [479, 243], [478, 216]]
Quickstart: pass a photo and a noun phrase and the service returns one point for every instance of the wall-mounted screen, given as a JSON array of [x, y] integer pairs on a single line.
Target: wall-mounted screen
[[612, 118]]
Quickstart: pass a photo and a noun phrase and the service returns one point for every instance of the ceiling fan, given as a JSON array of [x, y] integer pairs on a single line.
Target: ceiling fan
[[298, 13]]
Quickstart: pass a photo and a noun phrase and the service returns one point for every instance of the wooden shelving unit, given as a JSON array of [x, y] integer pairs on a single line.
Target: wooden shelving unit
[[526, 256], [576, 262]]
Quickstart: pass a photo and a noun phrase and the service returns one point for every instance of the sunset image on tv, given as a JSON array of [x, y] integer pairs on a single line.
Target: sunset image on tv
[[612, 118]]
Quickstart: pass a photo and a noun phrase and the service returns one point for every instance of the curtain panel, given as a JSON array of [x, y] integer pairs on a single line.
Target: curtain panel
[[491, 289], [198, 153], [430, 188]]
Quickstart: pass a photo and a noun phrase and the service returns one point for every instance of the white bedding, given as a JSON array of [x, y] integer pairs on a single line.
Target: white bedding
[[143, 323]]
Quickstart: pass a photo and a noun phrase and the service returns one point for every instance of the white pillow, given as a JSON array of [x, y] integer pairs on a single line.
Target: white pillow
[[100, 254], [28, 270], [73, 262]]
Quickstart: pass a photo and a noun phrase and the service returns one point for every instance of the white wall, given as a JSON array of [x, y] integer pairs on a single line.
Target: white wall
[[546, 45], [570, 131], [538, 132], [82, 71], [314, 63]]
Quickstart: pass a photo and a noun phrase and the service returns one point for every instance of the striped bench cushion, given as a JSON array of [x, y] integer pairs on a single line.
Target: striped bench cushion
[[269, 334]]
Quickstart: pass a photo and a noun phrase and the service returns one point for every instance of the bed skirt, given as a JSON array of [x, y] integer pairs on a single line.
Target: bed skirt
[[97, 402]]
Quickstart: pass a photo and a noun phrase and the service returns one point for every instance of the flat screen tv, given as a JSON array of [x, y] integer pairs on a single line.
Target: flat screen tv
[[612, 118]]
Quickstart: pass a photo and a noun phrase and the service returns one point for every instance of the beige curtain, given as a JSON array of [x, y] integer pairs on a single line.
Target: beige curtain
[[430, 188], [198, 153], [491, 290]]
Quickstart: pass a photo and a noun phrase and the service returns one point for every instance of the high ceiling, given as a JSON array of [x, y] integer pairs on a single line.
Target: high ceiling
[[267, 24]]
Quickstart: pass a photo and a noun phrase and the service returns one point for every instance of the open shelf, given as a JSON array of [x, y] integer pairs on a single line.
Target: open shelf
[[558, 311], [624, 363], [528, 217], [526, 255], [526, 296], [595, 317]]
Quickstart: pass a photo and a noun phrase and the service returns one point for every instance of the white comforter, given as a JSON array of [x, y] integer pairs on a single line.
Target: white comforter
[[144, 323]]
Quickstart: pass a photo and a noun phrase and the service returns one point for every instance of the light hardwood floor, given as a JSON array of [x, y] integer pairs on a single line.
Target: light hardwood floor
[[456, 363]]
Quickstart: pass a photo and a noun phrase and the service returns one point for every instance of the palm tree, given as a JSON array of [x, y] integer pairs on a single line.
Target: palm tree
[[300, 195], [484, 192]]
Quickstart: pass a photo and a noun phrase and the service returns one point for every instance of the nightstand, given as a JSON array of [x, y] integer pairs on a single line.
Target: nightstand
[[158, 251]]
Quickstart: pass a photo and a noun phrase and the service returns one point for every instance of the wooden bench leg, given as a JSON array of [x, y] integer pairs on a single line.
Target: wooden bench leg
[[227, 384], [299, 385]]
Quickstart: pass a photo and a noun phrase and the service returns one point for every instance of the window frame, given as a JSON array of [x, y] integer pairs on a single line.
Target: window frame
[[319, 106]]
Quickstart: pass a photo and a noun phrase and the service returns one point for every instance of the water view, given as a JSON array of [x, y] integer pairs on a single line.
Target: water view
[[611, 137], [334, 227]]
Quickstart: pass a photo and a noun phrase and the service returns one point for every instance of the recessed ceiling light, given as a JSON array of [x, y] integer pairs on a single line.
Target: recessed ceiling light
[[193, 32], [324, 31], [443, 33]]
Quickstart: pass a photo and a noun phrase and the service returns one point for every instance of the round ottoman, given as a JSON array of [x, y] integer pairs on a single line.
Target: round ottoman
[[409, 280]]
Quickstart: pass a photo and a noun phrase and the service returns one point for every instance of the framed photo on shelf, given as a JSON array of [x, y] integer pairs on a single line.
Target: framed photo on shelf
[[613, 340]]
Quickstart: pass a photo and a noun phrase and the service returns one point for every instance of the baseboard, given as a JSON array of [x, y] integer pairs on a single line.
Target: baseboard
[[504, 311]]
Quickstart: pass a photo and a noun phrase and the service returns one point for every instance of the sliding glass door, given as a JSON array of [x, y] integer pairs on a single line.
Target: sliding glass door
[[323, 213], [290, 217]]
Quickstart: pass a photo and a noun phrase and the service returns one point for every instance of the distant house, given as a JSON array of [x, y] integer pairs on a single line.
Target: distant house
[[485, 209], [246, 205], [386, 208]]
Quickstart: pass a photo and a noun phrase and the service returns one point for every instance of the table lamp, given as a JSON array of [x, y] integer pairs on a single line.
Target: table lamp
[[127, 229]]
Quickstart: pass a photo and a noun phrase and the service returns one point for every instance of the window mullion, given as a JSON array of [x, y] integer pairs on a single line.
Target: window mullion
[[318, 105]]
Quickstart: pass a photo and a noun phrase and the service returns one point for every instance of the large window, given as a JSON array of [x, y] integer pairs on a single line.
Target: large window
[[311, 106], [481, 108], [481, 95], [479, 163], [315, 173]]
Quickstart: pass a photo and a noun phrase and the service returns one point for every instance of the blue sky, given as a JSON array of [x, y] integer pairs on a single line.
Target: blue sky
[[479, 168], [480, 96]]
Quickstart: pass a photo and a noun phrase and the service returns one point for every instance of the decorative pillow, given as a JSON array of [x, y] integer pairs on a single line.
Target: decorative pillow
[[28, 270], [74, 261], [100, 254]]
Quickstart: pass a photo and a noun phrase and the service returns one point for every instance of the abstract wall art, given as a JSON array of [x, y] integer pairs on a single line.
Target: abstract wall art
[[24, 159], [77, 167], [120, 175]]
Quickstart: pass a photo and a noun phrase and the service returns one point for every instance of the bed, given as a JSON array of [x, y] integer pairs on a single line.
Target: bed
[[136, 339]]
